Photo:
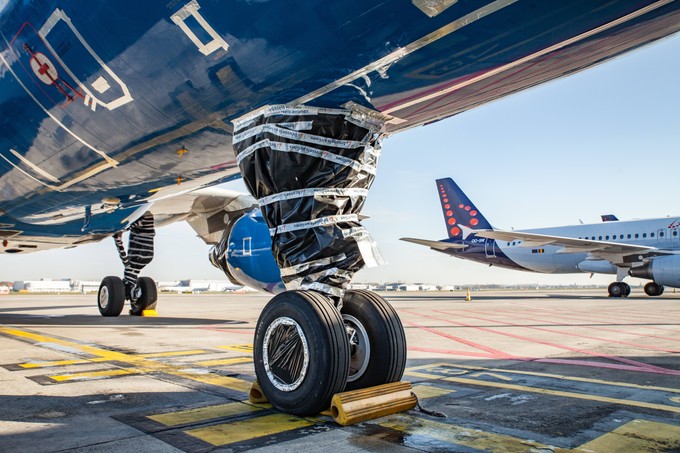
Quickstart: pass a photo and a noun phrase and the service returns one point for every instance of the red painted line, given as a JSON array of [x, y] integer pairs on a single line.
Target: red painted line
[[604, 329], [637, 317], [495, 353], [642, 366], [453, 352]]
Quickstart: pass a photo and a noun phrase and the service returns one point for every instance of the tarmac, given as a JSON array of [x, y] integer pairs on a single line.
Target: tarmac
[[511, 371]]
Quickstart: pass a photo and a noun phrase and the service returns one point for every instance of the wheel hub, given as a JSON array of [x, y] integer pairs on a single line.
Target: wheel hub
[[360, 347], [103, 297], [285, 354]]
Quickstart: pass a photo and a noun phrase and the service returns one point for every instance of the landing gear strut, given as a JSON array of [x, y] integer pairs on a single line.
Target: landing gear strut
[[141, 292], [310, 169]]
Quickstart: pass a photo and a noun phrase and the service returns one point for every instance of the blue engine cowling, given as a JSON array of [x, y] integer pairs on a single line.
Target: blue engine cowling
[[245, 254], [664, 270]]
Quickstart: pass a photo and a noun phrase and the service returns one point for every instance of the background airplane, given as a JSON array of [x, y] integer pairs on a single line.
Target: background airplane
[[648, 249]]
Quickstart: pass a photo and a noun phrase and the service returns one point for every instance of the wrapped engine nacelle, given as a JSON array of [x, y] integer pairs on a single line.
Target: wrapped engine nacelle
[[310, 170], [244, 254], [664, 270]]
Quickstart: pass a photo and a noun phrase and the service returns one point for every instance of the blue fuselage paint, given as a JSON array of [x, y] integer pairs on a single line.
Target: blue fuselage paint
[[130, 101]]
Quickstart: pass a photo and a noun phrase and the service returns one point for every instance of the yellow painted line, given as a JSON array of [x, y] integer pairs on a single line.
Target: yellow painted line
[[637, 435], [204, 413], [31, 365], [231, 361], [239, 347], [172, 353], [216, 380], [92, 375], [141, 364], [532, 373], [460, 435], [430, 391], [230, 433], [543, 391]]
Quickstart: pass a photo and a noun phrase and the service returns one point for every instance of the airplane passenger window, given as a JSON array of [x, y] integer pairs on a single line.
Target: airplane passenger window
[[644, 235], [614, 237], [651, 235], [628, 235], [661, 234], [607, 237], [599, 238], [675, 232], [637, 235]]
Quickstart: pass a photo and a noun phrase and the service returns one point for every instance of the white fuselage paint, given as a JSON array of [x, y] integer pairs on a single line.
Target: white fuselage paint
[[662, 233]]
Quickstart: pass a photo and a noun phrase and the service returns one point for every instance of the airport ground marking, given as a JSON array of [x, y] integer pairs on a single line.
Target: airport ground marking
[[93, 375], [57, 363], [231, 361], [141, 365], [636, 435], [239, 431], [202, 414], [539, 374], [544, 391], [239, 347], [639, 366], [559, 332], [159, 355], [567, 323]]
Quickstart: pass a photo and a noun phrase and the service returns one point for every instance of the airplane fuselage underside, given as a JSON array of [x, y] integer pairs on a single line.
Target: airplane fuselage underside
[[108, 106]]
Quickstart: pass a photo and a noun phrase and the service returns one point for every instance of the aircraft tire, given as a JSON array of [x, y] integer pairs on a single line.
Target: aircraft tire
[[147, 299], [111, 296], [377, 340], [615, 289], [626, 289], [301, 352], [653, 289]]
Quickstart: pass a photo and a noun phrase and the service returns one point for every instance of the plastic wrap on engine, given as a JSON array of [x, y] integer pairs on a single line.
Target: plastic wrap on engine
[[310, 170], [218, 255]]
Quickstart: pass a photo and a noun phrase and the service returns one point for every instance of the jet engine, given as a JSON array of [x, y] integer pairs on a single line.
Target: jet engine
[[664, 270], [244, 254]]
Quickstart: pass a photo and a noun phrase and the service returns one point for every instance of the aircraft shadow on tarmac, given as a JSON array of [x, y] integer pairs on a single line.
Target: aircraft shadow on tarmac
[[22, 319]]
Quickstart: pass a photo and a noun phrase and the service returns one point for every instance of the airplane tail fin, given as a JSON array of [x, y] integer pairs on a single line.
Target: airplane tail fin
[[458, 210]]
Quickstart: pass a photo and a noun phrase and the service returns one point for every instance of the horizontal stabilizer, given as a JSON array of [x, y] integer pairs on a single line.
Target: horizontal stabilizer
[[437, 245]]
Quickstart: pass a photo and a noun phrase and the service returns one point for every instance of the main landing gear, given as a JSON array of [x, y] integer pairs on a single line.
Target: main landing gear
[[306, 350], [140, 291], [619, 289], [653, 289]]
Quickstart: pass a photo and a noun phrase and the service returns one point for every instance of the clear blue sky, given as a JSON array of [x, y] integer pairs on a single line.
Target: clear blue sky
[[606, 140]]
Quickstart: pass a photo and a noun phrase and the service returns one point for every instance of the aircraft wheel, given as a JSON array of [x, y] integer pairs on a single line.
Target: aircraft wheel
[[301, 352], [626, 289], [111, 296], [615, 290], [376, 340], [653, 289], [144, 296]]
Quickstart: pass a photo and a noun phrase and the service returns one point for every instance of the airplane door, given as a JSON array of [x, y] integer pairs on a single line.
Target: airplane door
[[490, 248]]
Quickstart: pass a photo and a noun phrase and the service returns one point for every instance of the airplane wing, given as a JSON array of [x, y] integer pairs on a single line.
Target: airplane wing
[[207, 210], [441, 246], [614, 252]]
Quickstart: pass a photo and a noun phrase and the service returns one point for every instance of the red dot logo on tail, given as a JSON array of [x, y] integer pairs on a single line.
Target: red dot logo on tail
[[455, 231], [474, 222], [452, 221]]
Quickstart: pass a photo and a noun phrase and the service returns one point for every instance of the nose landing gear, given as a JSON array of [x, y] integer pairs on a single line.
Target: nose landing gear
[[140, 291]]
